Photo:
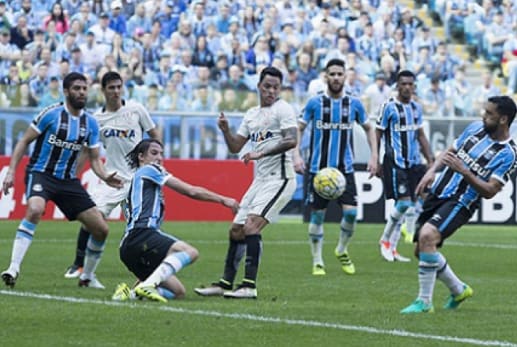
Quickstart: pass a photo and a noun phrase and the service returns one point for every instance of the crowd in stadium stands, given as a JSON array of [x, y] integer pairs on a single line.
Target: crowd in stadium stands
[[179, 55]]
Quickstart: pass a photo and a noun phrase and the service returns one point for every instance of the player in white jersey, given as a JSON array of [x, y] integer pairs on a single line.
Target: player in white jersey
[[272, 130], [122, 125]]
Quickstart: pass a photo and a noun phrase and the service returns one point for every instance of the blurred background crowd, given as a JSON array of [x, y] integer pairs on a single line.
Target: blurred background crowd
[[178, 55]]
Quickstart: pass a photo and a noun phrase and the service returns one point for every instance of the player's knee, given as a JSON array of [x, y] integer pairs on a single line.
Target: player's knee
[[350, 215], [34, 212], [193, 253], [317, 217], [403, 205], [236, 232], [428, 238]]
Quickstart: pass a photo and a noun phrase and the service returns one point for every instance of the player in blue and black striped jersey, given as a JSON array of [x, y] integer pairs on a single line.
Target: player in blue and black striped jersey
[[400, 126], [333, 115], [479, 163], [152, 255], [60, 132]]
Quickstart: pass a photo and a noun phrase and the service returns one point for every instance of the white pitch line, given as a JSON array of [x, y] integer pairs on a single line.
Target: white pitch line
[[293, 242], [265, 319]]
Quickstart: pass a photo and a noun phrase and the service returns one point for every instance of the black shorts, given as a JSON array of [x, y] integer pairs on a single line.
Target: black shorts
[[401, 183], [445, 214], [68, 194], [143, 249], [349, 196]]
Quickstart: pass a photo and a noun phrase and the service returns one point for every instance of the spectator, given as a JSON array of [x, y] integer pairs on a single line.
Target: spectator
[[219, 73], [258, 54], [150, 54], [38, 85], [32, 20], [170, 100], [198, 19], [353, 85], [202, 101], [46, 58], [21, 34], [305, 72], [250, 24], [367, 47], [58, 17], [235, 80], [10, 82], [424, 39], [117, 19], [77, 64], [52, 38], [156, 35], [9, 53], [433, 99], [53, 94], [169, 16], [230, 102], [24, 65], [185, 35], [202, 55], [444, 63], [234, 33], [383, 27], [376, 94], [138, 20], [457, 93], [64, 49], [85, 16], [103, 33], [6, 18], [71, 6], [480, 94], [118, 51], [496, 35], [91, 54]]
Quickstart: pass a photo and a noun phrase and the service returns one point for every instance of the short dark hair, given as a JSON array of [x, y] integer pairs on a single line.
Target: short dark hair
[[272, 71], [505, 106], [110, 76], [71, 78], [335, 61], [141, 147], [405, 73]]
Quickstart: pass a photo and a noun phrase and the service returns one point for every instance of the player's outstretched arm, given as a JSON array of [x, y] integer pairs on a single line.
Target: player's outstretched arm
[[19, 150], [288, 141], [98, 168], [234, 142], [200, 193]]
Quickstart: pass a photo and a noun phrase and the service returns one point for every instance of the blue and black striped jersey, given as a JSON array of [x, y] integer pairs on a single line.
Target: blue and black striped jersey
[[400, 124], [145, 199], [60, 141], [331, 140], [485, 157]]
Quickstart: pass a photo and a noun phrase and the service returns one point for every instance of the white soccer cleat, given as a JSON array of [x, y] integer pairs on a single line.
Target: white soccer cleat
[[398, 257], [73, 271], [386, 251], [241, 293], [91, 282], [210, 291]]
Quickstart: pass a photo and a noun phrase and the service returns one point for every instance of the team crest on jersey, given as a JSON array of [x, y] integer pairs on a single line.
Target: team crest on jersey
[[37, 188], [344, 112], [326, 109], [402, 189], [489, 154], [261, 136], [82, 131]]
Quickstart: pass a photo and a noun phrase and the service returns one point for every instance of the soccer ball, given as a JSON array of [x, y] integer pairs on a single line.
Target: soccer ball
[[329, 183]]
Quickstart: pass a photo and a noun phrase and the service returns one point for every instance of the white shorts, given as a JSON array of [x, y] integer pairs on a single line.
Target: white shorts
[[108, 198], [266, 198]]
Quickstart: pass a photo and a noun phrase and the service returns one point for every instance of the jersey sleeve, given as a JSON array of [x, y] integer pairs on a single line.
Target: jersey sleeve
[[43, 120], [507, 166], [307, 114], [244, 130], [93, 138], [155, 173], [384, 116], [469, 130], [146, 122], [361, 115], [287, 116]]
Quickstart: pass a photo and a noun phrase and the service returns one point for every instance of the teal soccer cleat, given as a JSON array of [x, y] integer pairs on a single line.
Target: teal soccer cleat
[[455, 300], [418, 306]]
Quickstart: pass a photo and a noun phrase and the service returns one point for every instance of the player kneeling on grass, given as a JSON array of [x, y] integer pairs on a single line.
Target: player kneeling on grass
[[153, 256]]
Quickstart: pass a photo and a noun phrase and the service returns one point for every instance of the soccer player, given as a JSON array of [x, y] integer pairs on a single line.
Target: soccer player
[[60, 131], [332, 115], [400, 125], [123, 124], [153, 256], [477, 165], [271, 129]]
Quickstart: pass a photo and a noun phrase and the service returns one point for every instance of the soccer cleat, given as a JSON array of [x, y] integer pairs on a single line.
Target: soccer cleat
[[73, 271], [92, 282], [455, 300], [9, 277], [418, 306], [122, 293], [346, 263], [318, 270], [149, 292], [386, 251], [408, 237], [214, 290], [242, 292], [398, 257]]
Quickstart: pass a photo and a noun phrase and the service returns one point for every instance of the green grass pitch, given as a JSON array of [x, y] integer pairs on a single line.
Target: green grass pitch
[[293, 309]]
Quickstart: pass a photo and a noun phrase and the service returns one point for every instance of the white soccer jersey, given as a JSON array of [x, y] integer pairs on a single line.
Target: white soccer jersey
[[263, 126], [120, 132]]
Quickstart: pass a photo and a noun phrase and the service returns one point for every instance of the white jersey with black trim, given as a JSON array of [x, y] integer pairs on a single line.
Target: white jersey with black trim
[[120, 132], [263, 127]]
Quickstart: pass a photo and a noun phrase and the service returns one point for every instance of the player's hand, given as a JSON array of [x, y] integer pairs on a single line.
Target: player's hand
[[246, 158], [372, 168], [8, 182], [298, 163], [232, 204], [425, 183], [114, 181], [222, 123], [454, 163], [379, 172]]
